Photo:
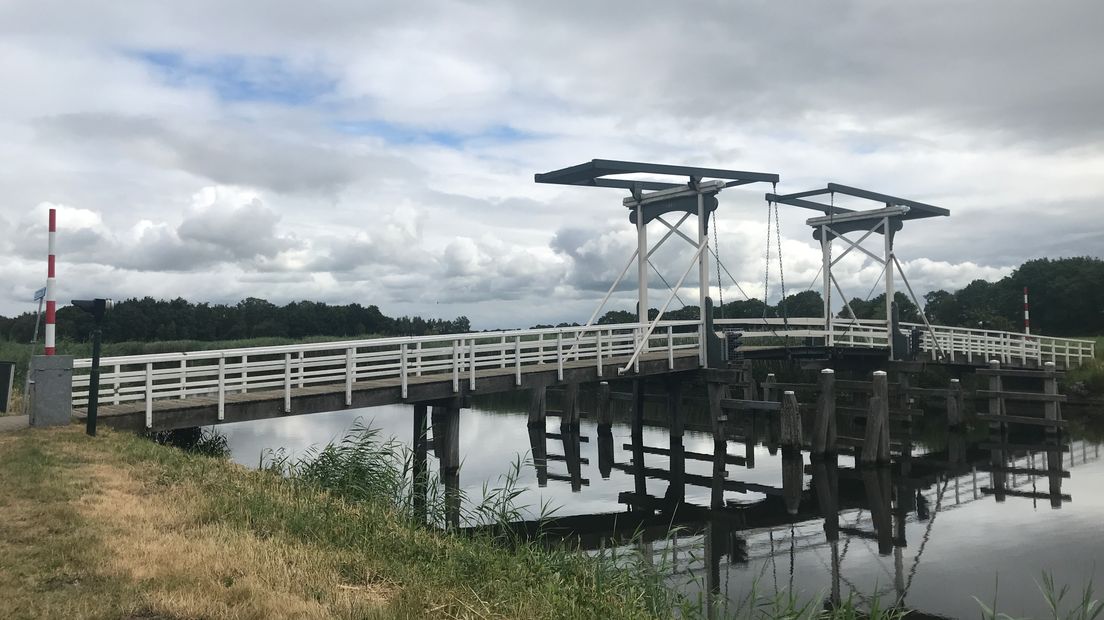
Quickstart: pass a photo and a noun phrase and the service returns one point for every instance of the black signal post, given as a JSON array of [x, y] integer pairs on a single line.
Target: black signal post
[[97, 308]]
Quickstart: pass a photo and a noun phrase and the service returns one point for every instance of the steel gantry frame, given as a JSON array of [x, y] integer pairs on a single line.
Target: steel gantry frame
[[837, 222], [649, 201]]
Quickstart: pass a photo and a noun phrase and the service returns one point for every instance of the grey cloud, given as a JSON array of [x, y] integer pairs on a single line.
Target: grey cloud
[[225, 153]]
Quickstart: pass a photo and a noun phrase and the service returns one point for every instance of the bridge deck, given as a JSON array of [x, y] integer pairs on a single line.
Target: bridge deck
[[256, 405]]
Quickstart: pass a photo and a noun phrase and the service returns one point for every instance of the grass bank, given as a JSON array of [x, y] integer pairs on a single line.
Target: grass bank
[[121, 527]]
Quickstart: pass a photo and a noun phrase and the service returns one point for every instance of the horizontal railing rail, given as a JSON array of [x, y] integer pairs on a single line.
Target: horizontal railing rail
[[460, 358]]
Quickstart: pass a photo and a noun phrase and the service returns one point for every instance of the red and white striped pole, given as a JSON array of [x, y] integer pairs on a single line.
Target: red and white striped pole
[[1027, 317], [51, 300]]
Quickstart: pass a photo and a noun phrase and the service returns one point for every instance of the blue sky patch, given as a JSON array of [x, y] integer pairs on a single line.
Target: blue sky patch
[[397, 133], [238, 78]]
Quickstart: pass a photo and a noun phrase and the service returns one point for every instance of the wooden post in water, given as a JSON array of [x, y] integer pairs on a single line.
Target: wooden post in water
[[954, 404], [538, 446], [638, 406], [748, 379], [824, 427], [790, 422], [569, 418], [716, 392], [826, 487], [538, 404], [997, 429], [446, 436], [996, 402], [793, 476], [421, 449], [675, 419], [1051, 408], [605, 415], [876, 442], [773, 431]]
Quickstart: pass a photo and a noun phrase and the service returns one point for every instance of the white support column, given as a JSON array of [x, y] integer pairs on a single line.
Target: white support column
[[703, 275], [641, 265], [826, 270], [222, 387], [887, 233]]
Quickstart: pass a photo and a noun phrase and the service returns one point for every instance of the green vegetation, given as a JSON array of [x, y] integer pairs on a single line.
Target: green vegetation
[[147, 320]]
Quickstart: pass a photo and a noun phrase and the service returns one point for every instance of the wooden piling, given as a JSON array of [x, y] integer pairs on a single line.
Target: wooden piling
[[996, 402], [675, 420], [790, 422], [748, 379], [793, 476], [570, 417], [604, 413], [419, 468], [716, 392], [538, 404], [954, 404], [1051, 407], [824, 427], [876, 442], [446, 439], [538, 447], [638, 406]]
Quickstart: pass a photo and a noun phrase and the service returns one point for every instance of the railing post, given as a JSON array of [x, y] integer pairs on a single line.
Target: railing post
[[559, 356], [471, 364], [404, 371], [418, 359], [302, 371], [350, 373], [115, 383], [598, 349], [455, 366], [149, 394], [244, 374], [222, 387], [502, 352], [183, 378], [517, 360], [287, 383], [670, 347]]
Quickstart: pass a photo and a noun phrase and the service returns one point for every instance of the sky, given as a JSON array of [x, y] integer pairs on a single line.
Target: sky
[[383, 153]]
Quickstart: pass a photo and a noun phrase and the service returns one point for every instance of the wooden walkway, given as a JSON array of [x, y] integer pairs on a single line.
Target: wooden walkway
[[256, 405]]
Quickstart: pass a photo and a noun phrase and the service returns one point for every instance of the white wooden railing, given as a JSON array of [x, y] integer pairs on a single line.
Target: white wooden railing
[[964, 344], [460, 357]]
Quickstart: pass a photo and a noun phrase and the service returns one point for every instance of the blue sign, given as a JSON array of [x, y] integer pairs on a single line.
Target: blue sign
[[39, 294]]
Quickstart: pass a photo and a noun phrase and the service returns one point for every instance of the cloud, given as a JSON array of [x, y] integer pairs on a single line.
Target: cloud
[[385, 153]]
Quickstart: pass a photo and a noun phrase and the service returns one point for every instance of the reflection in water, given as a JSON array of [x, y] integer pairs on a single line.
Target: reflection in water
[[915, 531]]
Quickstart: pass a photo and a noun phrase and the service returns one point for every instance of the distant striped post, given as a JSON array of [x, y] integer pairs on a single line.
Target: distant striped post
[[1027, 315], [51, 299]]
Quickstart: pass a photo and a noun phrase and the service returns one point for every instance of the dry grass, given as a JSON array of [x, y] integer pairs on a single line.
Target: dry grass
[[85, 534]]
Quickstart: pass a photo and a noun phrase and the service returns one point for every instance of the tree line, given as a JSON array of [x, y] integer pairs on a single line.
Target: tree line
[[1067, 299], [1066, 294], [149, 319]]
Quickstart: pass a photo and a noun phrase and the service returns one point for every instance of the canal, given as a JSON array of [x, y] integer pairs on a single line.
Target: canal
[[926, 532]]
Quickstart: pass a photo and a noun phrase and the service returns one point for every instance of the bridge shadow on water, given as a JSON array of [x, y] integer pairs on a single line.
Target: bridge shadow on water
[[750, 514]]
